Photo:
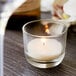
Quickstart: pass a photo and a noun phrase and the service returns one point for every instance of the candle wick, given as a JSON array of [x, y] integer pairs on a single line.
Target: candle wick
[[43, 43]]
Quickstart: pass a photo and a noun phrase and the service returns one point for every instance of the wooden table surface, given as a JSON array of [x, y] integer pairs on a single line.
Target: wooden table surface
[[15, 63]]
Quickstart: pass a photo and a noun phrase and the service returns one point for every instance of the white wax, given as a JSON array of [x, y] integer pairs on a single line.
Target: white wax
[[44, 51]]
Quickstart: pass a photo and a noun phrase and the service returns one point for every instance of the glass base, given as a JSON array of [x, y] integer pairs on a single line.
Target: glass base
[[48, 64]]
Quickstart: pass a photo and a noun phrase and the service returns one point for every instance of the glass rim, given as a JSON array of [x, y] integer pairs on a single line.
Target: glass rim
[[51, 20]]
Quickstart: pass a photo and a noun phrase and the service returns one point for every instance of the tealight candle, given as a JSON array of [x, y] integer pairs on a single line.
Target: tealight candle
[[44, 42], [44, 49]]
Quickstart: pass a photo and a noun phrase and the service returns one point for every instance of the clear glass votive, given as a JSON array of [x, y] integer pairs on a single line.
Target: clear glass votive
[[44, 42]]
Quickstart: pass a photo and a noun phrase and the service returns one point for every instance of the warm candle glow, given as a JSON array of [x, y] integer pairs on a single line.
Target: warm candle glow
[[46, 29]]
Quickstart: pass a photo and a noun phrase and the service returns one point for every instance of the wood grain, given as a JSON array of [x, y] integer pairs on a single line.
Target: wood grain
[[15, 63]]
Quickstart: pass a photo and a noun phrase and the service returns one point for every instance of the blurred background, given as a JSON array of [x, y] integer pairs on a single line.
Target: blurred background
[[15, 63], [37, 9]]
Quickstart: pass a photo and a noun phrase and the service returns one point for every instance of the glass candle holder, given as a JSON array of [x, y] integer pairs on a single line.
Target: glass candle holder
[[44, 42]]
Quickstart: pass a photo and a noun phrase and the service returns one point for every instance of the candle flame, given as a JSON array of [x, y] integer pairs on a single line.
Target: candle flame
[[46, 29]]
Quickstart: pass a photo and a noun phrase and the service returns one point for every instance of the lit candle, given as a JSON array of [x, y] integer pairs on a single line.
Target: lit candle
[[44, 49]]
